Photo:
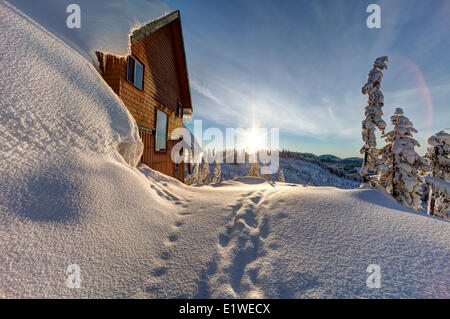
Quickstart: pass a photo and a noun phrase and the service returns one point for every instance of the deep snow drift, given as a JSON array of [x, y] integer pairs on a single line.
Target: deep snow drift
[[68, 197]]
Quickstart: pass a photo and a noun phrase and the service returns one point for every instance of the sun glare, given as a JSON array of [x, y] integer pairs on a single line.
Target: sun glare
[[255, 141]]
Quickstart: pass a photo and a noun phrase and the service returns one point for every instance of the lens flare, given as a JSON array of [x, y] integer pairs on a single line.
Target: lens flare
[[413, 68]]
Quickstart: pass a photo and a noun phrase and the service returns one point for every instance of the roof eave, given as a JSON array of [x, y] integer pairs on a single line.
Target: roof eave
[[153, 26]]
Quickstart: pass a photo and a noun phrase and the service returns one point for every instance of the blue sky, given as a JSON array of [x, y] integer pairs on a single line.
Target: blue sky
[[300, 65]]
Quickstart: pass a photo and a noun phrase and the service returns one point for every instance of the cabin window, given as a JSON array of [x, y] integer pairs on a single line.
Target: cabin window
[[161, 131], [135, 72], [179, 109]]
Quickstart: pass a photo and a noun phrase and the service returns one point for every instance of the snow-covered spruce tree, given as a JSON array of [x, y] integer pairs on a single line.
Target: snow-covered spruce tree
[[438, 157], [281, 176], [254, 170], [217, 173], [397, 168], [206, 173], [373, 114]]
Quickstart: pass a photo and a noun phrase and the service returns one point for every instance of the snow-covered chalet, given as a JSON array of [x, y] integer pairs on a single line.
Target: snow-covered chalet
[[153, 83]]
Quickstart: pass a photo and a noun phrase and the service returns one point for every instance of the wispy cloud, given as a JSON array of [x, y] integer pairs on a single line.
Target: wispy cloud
[[299, 65], [205, 91]]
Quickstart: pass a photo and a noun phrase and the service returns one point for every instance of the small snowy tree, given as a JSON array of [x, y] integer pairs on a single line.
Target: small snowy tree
[[373, 114], [441, 195], [254, 170], [281, 177], [266, 176], [438, 157], [196, 174], [217, 173], [206, 173], [188, 179], [399, 162]]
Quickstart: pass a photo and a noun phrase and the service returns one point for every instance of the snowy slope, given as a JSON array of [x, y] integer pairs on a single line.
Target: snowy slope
[[68, 197], [287, 241], [61, 176]]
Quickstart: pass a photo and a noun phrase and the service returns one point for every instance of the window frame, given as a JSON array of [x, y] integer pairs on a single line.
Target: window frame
[[136, 62], [166, 131]]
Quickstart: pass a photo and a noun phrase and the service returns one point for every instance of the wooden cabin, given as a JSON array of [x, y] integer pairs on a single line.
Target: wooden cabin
[[153, 83]]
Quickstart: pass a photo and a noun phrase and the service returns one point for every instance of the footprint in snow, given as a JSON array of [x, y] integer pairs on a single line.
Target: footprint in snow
[[179, 223], [256, 199], [224, 240], [158, 272], [165, 255], [185, 213]]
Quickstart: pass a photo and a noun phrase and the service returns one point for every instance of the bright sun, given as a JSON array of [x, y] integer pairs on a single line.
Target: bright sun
[[255, 141]]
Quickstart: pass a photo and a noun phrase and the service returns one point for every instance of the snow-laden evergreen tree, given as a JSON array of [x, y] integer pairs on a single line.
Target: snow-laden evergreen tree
[[281, 176], [397, 168], [438, 157], [373, 114], [217, 173], [206, 173], [254, 170]]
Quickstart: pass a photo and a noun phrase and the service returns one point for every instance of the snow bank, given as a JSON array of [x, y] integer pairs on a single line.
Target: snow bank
[[105, 24], [53, 99], [62, 178], [68, 197]]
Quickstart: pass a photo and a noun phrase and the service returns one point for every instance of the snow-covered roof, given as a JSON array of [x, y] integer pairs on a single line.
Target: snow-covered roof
[[144, 31], [105, 24]]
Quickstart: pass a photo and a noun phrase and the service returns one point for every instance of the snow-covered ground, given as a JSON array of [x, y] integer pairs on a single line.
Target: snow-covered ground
[[68, 197]]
